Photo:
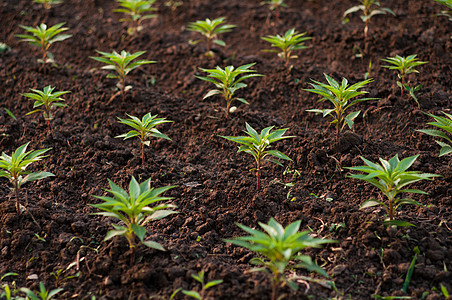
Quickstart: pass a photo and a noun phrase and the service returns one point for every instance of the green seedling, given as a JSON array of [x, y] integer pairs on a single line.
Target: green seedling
[[227, 82], [45, 101], [173, 4], [340, 96], [205, 285], [410, 270], [405, 66], [144, 129], [289, 42], [210, 29], [13, 168], [391, 177], [257, 145], [275, 6], [368, 12], [444, 123], [280, 247], [4, 47], [135, 209], [8, 292], [48, 3], [43, 37], [122, 64], [43, 293], [136, 11]]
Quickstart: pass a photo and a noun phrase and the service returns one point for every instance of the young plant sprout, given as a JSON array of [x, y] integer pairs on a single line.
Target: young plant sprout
[[289, 42], [43, 37], [122, 64], [279, 247], [257, 145], [137, 12], [43, 293], [205, 286], [45, 100], [405, 66], [144, 129], [340, 96], [391, 177], [135, 209], [210, 29], [444, 123], [48, 3], [13, 167], [228, 81], [368, 12], [274, 5]]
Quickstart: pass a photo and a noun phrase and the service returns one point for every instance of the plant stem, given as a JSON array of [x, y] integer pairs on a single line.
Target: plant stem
[[228, 107], [391, 209], [258, 175], [142, 154], [48, 126], [16, 192]]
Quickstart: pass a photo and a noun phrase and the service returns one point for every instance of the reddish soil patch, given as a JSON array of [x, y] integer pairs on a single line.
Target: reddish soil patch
[[215, 189]]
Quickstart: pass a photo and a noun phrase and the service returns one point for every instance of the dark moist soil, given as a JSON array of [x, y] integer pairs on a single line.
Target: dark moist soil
[[214, 187]]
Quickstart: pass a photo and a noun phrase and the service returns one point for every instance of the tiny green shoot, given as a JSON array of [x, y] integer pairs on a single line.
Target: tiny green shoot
[[278, 247], [340, 96], [122, 64], [45, 101], [135, 209], [391, 177], [366, 7], [204, 286], [227, 81], [42, 294], [257, 145], [13, 168], [43, 37], [210, 29], [404, 65], [290, 41], [47, 4], [136, 11], [144, 129], [444, 123]]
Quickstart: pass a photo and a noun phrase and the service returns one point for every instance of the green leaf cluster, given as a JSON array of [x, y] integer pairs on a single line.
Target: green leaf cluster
[[257, 145], [45, 100], [43, 37], [48, 3], [144, 129], [227, 81], [444, 123], [14, 168], [43, 293], [405, 65], [280, 247], [391, 177], [288, 42], [121, 63], [210, 29], [368, 12], [274, 4], [134, 209], [205, 286], [137, 11], [340, 96]]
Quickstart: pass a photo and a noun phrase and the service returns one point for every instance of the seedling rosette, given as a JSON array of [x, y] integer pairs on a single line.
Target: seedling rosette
[[13, 168], [43, 37], [257, 145], [391, 177], [136, 11], [340, 96], [210, 29], [444, 123], [144, 129], [134, 209], [278, 248], [122, 64], [228, 81]]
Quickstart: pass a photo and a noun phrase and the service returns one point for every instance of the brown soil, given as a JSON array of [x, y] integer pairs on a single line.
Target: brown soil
[[215, 188]]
